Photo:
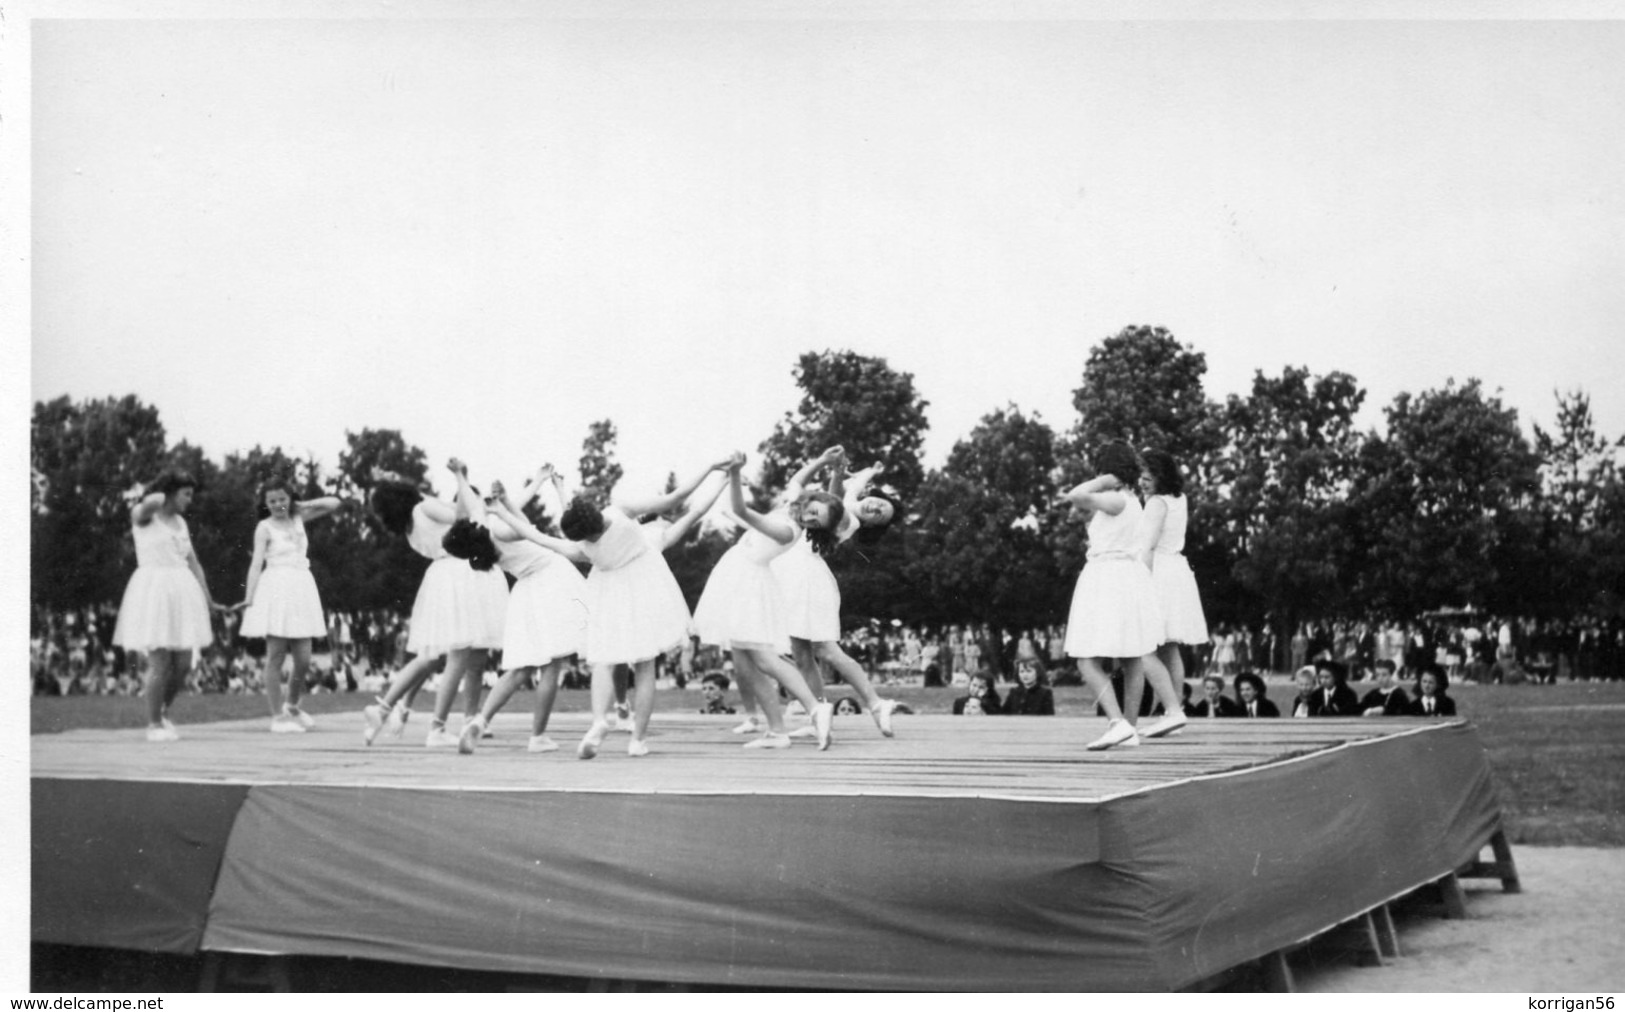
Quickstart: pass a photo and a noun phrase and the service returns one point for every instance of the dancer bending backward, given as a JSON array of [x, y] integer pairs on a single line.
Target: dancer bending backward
[[635, 610], [1114, 612], [165, 611], [1162, 539], [547, 610], [742, 608], [812, 595], [280, 602], [456, 618]]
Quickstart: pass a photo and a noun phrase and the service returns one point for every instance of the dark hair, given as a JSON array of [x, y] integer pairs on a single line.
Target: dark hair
[[468, 540], [856, 707], [1442, 678], [582, 520], [275, 483], [718, 679], [394, 502], [1249, 678], [870, 533], [1164, 470], [822, 539], [172, 481], [1387, 665], [1118, 459]]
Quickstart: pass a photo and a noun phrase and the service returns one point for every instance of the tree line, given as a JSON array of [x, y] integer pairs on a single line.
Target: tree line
[[1297, 514]]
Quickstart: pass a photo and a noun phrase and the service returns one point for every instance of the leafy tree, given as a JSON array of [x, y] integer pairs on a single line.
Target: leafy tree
[[856, 401], [1280, 511], [599, 471], [381, 448], [1576, 561], [1440, 502]]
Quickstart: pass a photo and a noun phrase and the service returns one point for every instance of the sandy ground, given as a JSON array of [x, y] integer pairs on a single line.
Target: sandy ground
[[1563, 935]]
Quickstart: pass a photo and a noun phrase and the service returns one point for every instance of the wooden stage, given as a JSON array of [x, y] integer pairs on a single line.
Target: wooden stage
[[967, 854]]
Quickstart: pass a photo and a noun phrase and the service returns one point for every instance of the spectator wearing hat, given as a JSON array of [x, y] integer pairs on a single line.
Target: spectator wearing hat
[[1387, 699], [1332, 698], [1214, 702], [1250, 691]]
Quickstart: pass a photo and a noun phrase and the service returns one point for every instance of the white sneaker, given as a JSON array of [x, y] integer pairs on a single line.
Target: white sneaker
[[169, 727], [804, 731], [882, 713], [591, 740], [1171, 724], [161, 733], [542, 743], [470, 736], [748, 727], [305, 720], [623, 718], [395, 723], [636, 747], [1118, 732], [439, 737], [769, 740], [284, 724], [823, 716], [374, 716]]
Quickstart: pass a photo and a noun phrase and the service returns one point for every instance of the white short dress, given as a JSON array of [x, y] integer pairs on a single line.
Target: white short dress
[[1182, 615], [812, 597], [547, 607], [457, 607], [285, 599], [1114, 605], [635, 609], [164, 607], [743, 604]]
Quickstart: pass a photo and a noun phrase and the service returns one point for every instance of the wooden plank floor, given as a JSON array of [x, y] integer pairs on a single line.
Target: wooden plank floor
[[1038, 758]]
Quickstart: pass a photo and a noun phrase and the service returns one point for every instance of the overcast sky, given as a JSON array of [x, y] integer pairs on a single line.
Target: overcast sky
[[488, 233]]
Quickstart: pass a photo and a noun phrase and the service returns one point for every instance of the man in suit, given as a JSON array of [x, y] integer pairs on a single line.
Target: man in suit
[[1332, 698], [1431, 700]]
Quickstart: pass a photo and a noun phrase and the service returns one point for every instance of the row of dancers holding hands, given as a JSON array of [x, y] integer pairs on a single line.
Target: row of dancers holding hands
[[772, 595]]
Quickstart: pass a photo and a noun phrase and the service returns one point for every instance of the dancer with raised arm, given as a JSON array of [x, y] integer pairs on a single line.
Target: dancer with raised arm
[[456, 610], [166, 606], [635, 610], [280, 601], [547, 610], [1114, 613], [812, 594], [742, 609]]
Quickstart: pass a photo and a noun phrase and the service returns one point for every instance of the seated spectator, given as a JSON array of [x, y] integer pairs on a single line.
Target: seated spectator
[[1387, 699], [847, 705], [1332, 698], [1214, 702], [1250, 690], [1305, 679], [1031, 697], [981, 692], [714, 694], [1431, 700]]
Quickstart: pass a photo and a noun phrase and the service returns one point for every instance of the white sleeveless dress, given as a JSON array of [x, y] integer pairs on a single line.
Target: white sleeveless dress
[[812, 596], [743, 603], [285, 599], [164, 607], [547, 607], [1114, 605], [1182, 615], [635, 609], [457, 607]]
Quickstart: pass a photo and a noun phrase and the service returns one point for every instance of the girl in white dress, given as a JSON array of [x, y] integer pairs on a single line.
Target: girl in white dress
[[456, 617], [742, 609], [547, 609], [1114, 613], [635, 610], [812, 594], [165, 611], [1162, 534], [281, 605]]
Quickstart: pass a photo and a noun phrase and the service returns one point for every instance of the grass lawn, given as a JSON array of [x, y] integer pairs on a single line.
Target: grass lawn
[[1557, 751]]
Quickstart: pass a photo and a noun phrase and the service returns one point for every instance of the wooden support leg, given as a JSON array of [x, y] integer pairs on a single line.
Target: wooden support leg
[[1387, 935], [1371, 953], [1277, 974], [1503, 858], [1455, 903]]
